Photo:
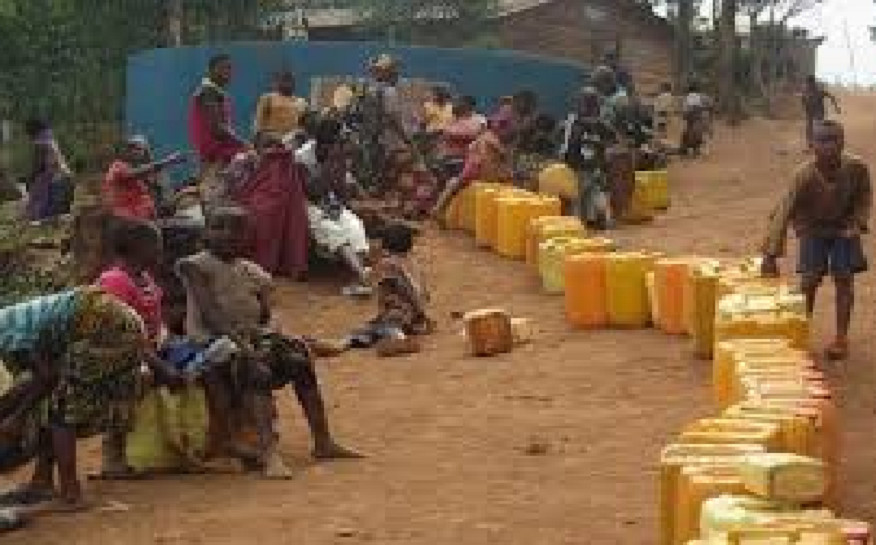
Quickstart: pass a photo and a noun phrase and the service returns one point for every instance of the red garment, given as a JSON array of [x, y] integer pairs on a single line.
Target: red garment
[[125, 195], [144, 297], [275, 201], [210, 148]]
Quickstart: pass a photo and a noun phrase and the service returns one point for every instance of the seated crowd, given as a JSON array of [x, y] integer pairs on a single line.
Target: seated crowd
[[160, 316]]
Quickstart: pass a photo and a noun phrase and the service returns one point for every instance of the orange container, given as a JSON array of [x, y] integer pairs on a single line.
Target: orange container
[[669, 280], [585, 283]]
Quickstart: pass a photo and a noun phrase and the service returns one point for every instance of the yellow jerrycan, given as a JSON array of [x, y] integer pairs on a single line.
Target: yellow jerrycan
[[486, 212], [553, 253], [627, 292], [545, 228], [674, 458], [558, 180]]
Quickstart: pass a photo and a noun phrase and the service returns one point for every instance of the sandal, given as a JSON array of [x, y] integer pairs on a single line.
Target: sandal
[[10, 520], [25, 496], [357, 290], [128, 474]]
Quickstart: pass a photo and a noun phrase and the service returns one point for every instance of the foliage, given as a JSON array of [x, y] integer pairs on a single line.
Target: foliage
[[65, 60]]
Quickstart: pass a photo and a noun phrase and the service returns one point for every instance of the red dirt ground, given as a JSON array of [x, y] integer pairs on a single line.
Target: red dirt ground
[[555, 443]]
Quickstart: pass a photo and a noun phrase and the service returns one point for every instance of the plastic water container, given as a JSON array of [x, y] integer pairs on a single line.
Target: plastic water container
[[703, 294], [453, 214], [585, 290], [674, 458], [669, 280], [736, 517], [547, 227], [730, 351], [659, 196], [697, 484], [486, 214], [627, 293], [553, 253], [640, 209], [467, 216], [784, 477], [512, 216], [558, 180], [729, 430]]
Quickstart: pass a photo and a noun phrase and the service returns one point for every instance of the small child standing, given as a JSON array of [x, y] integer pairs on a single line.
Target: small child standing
[[401, 299], [664, 105], [586, 138]]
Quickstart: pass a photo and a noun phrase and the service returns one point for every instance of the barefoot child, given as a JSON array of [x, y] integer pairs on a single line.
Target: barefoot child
[[230, 297], [401, 299], [829, 207]]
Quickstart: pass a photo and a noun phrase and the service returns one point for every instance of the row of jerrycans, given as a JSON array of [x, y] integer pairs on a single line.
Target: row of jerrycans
[[773, 399]]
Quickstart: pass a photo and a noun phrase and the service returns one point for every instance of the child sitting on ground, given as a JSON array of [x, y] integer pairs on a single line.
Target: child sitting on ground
[[401, 299], [229, 297]]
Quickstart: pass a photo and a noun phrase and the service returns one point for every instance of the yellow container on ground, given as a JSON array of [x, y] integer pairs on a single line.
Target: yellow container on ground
[[696, 485], [486, 211], [585, 290], [553, 254], [512, 217], [558, 180], [727, 353], [467, 208], [732, 430], [795, 429], [627, 292], [784, 477], [731, 515], [704, 290], [452, 215], [170, 431], [675, 457], [545, 228], [640, 209], [659, 190]]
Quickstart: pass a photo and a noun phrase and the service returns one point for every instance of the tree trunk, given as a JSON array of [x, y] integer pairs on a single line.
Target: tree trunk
[[175, 23], [683, 45], [728, 96], [759, 37]]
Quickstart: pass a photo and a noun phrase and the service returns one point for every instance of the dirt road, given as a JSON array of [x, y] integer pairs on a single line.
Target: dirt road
[[556, 443]]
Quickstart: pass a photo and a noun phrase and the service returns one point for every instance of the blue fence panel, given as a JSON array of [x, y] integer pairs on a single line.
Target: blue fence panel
[[160, 82]]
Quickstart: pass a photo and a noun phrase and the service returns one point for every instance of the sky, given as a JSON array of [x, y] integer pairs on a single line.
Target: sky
[[844, 59]]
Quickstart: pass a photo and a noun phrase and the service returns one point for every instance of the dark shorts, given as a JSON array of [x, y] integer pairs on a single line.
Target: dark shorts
[[838, 256]]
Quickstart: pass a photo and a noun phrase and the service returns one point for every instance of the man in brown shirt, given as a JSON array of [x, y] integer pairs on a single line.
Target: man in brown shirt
[[829, 207]]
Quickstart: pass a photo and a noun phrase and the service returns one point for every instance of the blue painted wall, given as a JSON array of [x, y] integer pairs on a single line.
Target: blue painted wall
[[160, 82]]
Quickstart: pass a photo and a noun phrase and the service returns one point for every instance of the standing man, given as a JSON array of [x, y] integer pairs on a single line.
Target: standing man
[[829, 207], [279, 112], [814, 96], [386, 136], [210, 127]]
